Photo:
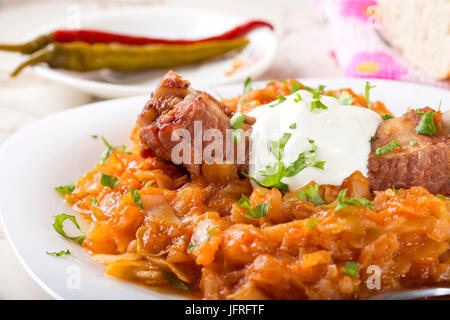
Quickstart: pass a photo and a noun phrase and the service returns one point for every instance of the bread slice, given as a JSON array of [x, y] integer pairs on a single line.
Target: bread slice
[[421, 30]]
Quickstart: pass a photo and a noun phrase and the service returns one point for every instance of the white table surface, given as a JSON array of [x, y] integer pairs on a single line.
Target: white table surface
[[303, 52]]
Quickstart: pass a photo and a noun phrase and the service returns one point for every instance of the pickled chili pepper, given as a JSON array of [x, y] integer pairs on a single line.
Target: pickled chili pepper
[[94, 37], [80, 56]]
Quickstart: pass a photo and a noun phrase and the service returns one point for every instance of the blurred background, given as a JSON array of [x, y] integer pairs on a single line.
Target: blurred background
[[391, 39]]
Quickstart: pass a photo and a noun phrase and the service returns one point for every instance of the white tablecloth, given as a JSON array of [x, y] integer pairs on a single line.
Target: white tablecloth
[[302, 52]]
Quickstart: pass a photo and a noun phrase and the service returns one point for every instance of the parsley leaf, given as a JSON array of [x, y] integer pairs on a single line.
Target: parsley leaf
[[295, 86], [281, 99], [345, 98], [412, 142], [293, 126], [298, 99], [258, 211], [440, 196], [387, 148], [367, 91], [174, 281], [94, 202], [277, 146], [426, 124], [312, 222], [311, 194], [109, 181], [136, 197], [387, 116], [317, 104], [68, 188], [345, 202], [192, 246], [109, 150], [248, 85], [351, 268], [305, 159], [237, 123], [372, 139], [60, 253], [58, 225]]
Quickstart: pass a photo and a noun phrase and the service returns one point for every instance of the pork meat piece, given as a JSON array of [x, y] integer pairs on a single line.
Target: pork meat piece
[[421, 160], [176, 105]]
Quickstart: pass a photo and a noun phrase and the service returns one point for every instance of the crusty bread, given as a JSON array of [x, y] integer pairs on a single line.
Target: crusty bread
[[421, 30]]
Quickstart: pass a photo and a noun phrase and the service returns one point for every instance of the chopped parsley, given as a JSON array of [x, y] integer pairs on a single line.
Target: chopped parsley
[[60, 253], [94, 136], [273, 174], [312, 223], [174, 281], [387, 148], [426, 124], [372, 139], [293, 126], [351, 268], [192, 246], [109, 150], [136, 197], [109, 181], [149, 184], [258, 211], [440, 196], [345, 202], [412, 142], [237, 123], [68, 188], [373, 230], [58, 225], [387, 116], [345, 98], [317, 104], [311, 193], [295, 86], [367, 94], [277, 146], [298, 99], [394, 189], [248, 85], [281, 99], [94, 202]]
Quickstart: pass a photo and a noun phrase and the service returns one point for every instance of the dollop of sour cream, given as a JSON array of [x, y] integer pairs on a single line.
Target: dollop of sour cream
[[341, 134]]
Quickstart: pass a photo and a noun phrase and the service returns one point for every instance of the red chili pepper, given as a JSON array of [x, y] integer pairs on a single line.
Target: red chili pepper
[[93, 36]]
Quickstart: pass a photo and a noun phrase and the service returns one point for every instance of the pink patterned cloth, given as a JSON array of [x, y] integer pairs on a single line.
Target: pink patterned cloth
[[359, 47]]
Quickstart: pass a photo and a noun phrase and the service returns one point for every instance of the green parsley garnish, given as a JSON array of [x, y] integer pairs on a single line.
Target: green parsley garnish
[[295, 86], [372, 139], [298, 99], [387, 148], [412, 142], [394, 189], [351, 268], [94, 136], [192, 246], [60, 253], [373, 230], [281, 99], [277, 146], [345, 98], [305, 159], [68, 188], [311, 193], [247, 85], [149, 184], [440, 196], [345, 202], [258, 211], [242, 102], [94, 202], [174, 281], [367, 90], [136, 197], [109, 181], [293, 126], [237, 123], [58, 225], [312, 222], [317, 104], [109, 150], [387, 116], [426, 124]]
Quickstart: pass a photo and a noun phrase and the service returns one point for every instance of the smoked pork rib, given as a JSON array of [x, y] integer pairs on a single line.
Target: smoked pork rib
[[176, 105], [421, 160]]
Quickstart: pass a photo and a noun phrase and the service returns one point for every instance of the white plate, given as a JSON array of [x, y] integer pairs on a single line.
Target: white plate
[[166, 22], [58, 149]]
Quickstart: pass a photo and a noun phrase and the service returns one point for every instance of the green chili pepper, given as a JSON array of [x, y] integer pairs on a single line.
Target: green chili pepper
[[30, 46], [80, 56]]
